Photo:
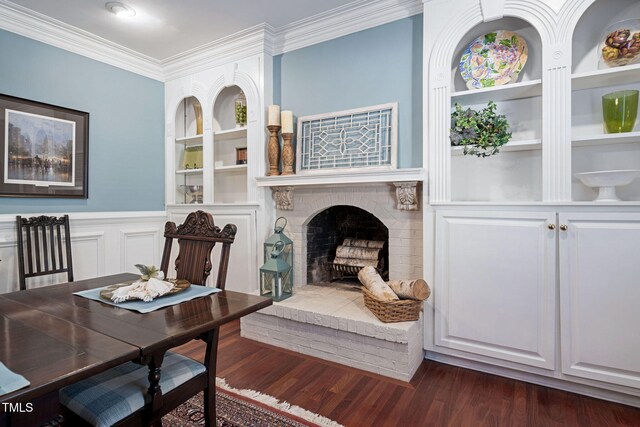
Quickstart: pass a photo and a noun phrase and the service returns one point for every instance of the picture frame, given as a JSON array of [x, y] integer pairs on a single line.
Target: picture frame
[[44, 150], [358, 139]]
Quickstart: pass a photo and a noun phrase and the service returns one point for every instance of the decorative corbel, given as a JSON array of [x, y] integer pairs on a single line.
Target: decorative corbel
[[283, 197], [407, 195]]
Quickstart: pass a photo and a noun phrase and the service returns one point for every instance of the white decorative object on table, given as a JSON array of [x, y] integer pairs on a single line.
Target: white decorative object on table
[[145, 291], [607, 181], [352, 139]]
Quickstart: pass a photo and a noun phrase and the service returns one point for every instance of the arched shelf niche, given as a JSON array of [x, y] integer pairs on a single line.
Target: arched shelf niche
[[188, 157], [592, 148], [230, 147], [515, 174]]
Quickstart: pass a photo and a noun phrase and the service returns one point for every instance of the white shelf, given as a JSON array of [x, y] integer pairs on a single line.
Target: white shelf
[[606, 138], [231, 168], [224, 135], [534, 144], [526, 89], [606, 77], [190, 140], [188, 171]]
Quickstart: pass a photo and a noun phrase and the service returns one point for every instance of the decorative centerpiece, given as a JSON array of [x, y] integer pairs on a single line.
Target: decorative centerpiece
[[481, 133], [150, 286], [494, 59], [607, 181], [621, 44]]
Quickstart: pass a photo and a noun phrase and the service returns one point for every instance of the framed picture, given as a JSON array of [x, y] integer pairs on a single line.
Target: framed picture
[[44, 150], [363, 138]]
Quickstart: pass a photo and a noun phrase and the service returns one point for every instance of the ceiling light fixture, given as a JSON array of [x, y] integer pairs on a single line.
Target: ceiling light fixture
[[120, 9]]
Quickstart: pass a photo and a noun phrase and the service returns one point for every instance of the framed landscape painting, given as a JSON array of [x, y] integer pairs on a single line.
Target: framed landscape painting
[[44, 149]]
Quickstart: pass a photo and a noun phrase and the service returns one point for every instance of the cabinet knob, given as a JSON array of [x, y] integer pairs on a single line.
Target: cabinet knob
[[564, 227], [551, 226]]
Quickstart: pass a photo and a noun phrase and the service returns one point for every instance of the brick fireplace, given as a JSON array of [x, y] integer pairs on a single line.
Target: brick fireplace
[[332, 322]]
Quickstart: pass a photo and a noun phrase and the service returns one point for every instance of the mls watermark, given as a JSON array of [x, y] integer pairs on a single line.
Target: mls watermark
[[9, 407]]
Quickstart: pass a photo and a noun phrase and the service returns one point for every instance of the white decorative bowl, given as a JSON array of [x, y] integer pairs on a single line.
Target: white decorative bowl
[[607, 181]]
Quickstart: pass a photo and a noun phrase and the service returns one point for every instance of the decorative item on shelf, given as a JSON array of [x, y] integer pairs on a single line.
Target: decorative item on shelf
[[241, 155], [607, 181], [197, 109], [192, 157], [620, 110], [193, 191], [279, 236], [241, 110], [273, 148], [288, 155], [620, 44], [276, 279], [494, 59], [481, 133]]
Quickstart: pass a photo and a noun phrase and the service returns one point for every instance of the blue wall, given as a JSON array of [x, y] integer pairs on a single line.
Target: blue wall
[[375, 66], [126, 124]]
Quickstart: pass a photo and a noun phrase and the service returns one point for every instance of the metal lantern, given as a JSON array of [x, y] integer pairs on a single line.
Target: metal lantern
[[275, 275], [279, 236]]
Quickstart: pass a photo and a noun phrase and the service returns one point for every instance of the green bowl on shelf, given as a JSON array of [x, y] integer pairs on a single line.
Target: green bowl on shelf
[[620, 110]]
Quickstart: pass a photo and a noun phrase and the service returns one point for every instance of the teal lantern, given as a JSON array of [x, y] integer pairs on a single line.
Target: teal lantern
[[279, 236], [275, 275]]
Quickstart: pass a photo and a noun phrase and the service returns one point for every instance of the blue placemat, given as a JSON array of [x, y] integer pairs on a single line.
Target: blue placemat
[[194, 291], [10, 381]]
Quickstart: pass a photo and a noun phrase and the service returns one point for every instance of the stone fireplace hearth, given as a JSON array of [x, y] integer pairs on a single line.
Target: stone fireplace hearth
[[331, 322]]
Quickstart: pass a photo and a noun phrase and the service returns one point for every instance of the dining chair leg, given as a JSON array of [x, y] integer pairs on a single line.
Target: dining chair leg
[[211, 358]]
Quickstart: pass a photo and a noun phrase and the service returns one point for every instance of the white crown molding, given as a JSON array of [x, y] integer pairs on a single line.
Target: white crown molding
[[36, 26], [260, 39], [252, 41], [341, 21]]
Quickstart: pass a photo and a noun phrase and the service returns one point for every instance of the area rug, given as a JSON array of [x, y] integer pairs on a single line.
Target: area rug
[[244, 408]]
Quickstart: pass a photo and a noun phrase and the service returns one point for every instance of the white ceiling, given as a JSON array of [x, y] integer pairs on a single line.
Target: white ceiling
[[163, 28]]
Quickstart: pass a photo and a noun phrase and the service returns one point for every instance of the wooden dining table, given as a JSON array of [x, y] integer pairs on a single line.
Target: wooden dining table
[[54, 338]]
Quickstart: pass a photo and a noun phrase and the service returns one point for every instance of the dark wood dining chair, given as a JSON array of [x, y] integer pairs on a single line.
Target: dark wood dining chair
[[44, 247], [115, 397]]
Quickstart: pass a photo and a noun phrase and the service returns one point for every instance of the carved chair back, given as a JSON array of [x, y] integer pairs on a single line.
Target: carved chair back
[[44, 247], [197, 237]]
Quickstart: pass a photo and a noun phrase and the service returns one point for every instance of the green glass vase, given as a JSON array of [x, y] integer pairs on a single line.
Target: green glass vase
[[620, 110]]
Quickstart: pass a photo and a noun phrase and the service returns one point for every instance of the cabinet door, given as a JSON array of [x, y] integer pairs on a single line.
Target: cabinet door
[[495, 285], [600, 297]]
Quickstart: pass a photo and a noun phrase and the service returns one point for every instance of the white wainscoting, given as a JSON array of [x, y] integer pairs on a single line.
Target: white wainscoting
[[102, 243]]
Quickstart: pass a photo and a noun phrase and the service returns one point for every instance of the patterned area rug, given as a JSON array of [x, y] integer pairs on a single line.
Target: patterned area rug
[[244, 408]]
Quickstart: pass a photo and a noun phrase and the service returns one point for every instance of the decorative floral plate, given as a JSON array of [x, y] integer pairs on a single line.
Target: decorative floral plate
[[179, 285], [620, 44], [493, 59]]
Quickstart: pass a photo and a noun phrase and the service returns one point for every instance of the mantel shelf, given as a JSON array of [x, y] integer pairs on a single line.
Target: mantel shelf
[[343, 178]]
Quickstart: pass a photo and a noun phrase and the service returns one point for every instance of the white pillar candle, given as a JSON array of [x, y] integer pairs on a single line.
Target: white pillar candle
[[274, 115], [287, 122]]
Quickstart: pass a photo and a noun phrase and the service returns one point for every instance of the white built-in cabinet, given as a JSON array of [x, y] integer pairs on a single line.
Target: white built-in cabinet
[[532, 278], [228, 188], [600, 297]]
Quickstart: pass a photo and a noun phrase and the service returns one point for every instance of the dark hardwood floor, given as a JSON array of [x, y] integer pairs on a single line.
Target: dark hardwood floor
[[438, 395]]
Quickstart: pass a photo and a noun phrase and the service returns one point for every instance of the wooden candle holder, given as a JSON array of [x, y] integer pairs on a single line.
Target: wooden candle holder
[[273, 150], [288, 156]]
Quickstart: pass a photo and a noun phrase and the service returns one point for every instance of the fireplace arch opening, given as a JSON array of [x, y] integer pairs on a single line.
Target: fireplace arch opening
[[332, 228]]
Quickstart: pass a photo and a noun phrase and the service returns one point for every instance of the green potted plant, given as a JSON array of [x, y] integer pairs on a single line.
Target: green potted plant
[[481, 133]]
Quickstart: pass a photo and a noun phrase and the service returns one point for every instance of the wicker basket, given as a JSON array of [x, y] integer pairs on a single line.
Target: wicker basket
[[392, 311]]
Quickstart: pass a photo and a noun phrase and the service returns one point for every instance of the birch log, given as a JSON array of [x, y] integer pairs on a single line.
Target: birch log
[[410, 289], [370, 278]]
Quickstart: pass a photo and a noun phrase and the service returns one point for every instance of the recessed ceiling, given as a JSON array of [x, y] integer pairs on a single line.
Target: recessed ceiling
[[163, 28]]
